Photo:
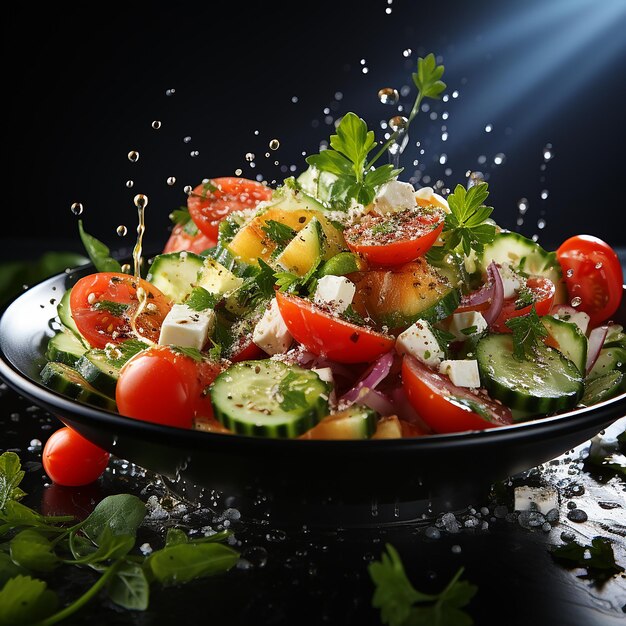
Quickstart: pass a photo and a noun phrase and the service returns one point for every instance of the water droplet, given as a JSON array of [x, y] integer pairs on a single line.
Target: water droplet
[[388, 95], [398, 122], [577, 515], [576, 301], [238, 172], [133, 156], [121, 230], [548, 152], [170, 92], [541, 223], [599, 265], [187, 139], [456, 549], [130, 183], [34, 445], [475, 178], [569, 273], [188, 189], [443, 158], [544, 194], [156, 124], [141, 201], [482, 159], [274, 144], [171, 180], [455, 94], [522, 205], [77, 208], [194, 153], [294, 99], [488, 128], [499, 158], [407, 52], [249, 157]]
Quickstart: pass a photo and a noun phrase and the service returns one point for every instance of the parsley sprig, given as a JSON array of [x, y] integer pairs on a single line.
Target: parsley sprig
[[347, 157], [528, 333], [401, 604]]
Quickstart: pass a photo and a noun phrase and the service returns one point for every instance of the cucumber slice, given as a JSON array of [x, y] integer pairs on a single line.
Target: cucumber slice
[[216, 278], [341, 264], [304, 250], [65, 316], [175, 273], [615, 337], [268, 398], [609, 359], [66, 380], [549, 383], [603, 387], [65, 347], [101, 367], [569, 340], [356, 422]]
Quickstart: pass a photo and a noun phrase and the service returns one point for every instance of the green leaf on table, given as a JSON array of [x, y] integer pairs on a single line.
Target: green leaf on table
[[31, 550], [25, 600], [130, 588], [122, 513], [184, 562], [8, 569], [98, 252], [11, 475], [175, 536], [110, 547], [15, 515]]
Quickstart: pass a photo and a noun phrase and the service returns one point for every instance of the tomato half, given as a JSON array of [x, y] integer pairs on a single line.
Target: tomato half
[[180, 239], [326, 335], [542, 290], [593, 276], [445, 407], [103, 306], [395, 238], [165, 386], [209, 202], [71, 460]]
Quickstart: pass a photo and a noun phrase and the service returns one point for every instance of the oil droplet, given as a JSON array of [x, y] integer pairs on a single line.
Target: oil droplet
[[274, 144], [121, 230], [171, 180], [499, 159], [126, 268], [188, 189], [522, 205], [133, 156], [544, 194], [576, 301], [398, 122], [156, 124], [238, 172], [548, 152], [77, 208], [130, 183], [141, 201], [388, 95], [249, 157]]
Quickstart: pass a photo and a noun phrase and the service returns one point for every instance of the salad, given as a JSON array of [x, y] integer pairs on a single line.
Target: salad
[[343, 303]]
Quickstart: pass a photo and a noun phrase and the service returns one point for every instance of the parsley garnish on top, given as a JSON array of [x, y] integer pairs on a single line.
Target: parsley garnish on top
[[528, 332], [278, 232], [114, 308]]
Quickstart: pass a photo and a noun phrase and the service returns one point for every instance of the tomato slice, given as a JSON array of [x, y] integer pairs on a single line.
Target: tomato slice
[[103, 305], [166, 386], [395, 238], [209, 202], [445, 407], [326, 335], [542, 290], [180, 239], [593, 276]]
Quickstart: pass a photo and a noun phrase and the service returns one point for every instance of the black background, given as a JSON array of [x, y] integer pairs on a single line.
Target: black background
[[84, 86]]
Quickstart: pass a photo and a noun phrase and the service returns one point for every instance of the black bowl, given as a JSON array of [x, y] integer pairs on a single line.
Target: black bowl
[[295, 475]]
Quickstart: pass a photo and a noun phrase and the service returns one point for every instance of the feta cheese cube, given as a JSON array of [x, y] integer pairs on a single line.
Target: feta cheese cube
[[580, 318], [465, 321], [462, 373], [544, 499], [419, 341], [271, 333], [325, 374], [185, 327], [335, 291], [510, 280], [395, 196]]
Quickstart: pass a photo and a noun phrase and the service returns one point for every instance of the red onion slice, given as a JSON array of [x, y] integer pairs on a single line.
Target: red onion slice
[[377, 401], [497, 298], [482, 295], [596, 341], [372, 377]]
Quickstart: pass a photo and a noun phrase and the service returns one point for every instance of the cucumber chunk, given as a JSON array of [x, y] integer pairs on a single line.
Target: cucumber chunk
[[569, 340], [268, 398], [65, 316], [65, 347], [66, 380], [548, 383], [175, 273], [603, 387], [613, 358], [355, 422]]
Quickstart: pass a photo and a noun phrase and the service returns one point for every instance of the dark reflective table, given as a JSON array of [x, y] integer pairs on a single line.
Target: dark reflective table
[[317, 574]]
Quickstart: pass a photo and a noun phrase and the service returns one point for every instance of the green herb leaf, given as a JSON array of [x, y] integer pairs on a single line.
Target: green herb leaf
[[175, 536], [192, 353], [98, 252], [121, 352], [528, 332], [292, 391], [525, 297], [33, 551], [286, 281], [427, 79], [350, 315], [215, 351], [121, 513], [110, 546], [129, 588], [114, 308], [278, 232], [470, 330], [200, 299], [183, 562], [11, 475], [25, 600], [180, 216]]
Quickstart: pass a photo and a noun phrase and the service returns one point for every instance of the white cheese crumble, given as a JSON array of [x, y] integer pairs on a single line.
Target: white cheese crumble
[[472, 322], [419, 341], [187, 328], [335, 291], [395, 196], [271, 333], [462, 373]]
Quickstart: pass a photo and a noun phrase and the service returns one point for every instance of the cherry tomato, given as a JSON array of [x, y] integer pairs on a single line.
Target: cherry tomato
[[326, 335], [209, 202], [71, 460], [180, 239], [542, 290], [395, 239], [593, 276], [103, 306], [246, 350], [165, 386], [445, 407]]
